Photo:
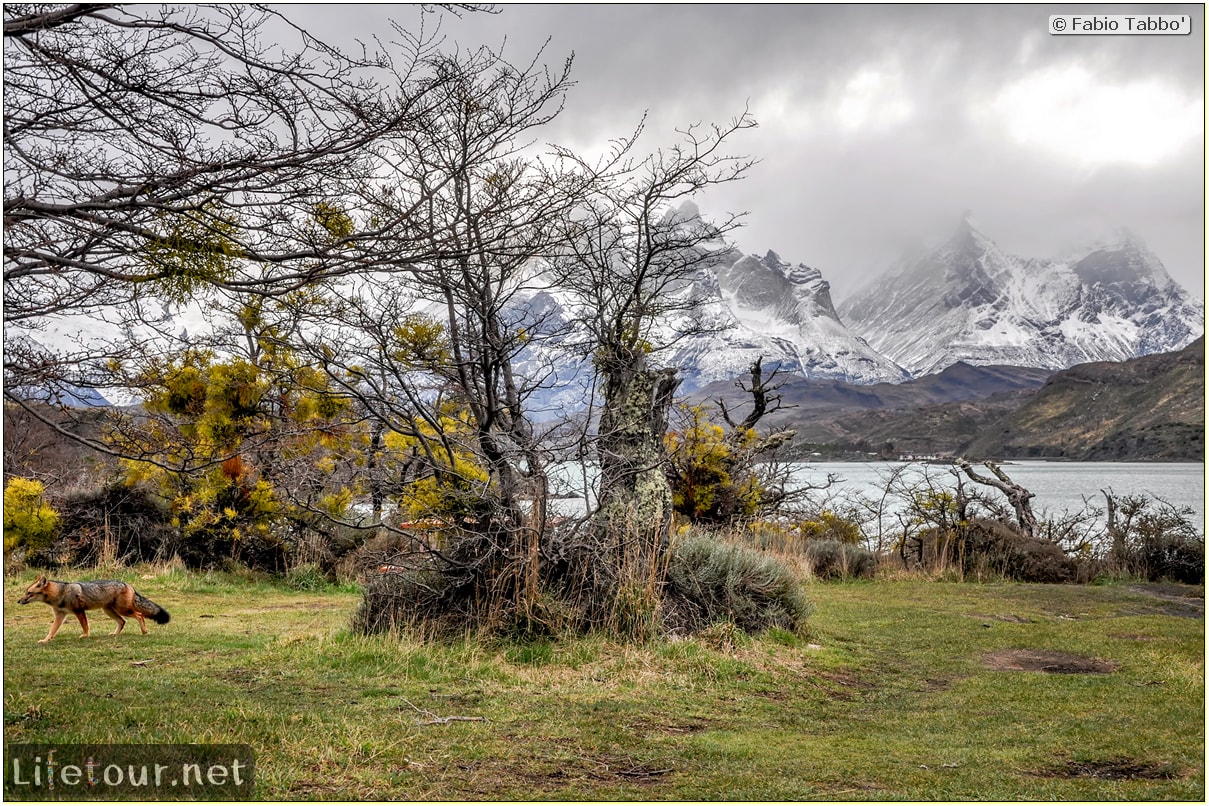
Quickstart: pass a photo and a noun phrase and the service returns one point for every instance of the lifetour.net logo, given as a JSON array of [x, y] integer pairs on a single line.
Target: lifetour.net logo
[[139, 771]]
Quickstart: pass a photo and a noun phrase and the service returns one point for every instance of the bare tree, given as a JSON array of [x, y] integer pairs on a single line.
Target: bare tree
[[634, 261], [1020, 498], [431, 351], [153, 153]]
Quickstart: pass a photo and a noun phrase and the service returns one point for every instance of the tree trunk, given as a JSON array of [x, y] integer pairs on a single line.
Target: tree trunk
[[1116, 534], [376, 494], [635, 506]]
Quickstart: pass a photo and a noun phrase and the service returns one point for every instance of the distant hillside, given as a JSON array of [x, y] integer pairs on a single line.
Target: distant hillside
[[959, 382], [1144, 408], [1149, 408]]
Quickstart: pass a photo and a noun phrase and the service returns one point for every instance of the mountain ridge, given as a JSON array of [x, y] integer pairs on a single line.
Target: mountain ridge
[[968, 300], [1147, 408]]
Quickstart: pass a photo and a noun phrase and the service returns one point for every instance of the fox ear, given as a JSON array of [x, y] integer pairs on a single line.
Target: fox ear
[[40, 580]]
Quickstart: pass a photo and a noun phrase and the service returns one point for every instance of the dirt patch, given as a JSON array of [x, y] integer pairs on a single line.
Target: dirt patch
[[839, 685], [546, 775], [1112, 770], [1045, 660], [1170, 589], [1184, 601]]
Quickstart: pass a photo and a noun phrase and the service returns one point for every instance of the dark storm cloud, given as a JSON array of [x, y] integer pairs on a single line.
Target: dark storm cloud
[[880, 125]]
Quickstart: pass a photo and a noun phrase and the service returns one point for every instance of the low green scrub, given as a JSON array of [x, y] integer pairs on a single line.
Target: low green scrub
[[907, 690], [831, 559], [1175, 557], [707, 581], [711, 581]]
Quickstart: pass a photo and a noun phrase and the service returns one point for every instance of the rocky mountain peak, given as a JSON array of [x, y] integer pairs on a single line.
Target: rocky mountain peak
[[967, 233], [802, 274], [770, 283], [968, 243], [967, 300], [1121, 261]]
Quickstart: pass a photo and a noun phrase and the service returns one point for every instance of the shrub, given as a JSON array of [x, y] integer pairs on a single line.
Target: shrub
[[451, 595], [832, 559], [1006, 551], [990, 547], [308, 577], [636, 611], [393, 601], [828, 525], [711, 471], [115, 523], [1157, 540], [29, 522], [706, 582], [1175, 557], [710, 581]]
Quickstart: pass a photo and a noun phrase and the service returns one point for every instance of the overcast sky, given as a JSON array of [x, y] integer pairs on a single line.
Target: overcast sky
[[880, 125]]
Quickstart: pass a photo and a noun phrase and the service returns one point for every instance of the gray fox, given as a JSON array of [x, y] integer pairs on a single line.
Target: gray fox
[[115, 597]]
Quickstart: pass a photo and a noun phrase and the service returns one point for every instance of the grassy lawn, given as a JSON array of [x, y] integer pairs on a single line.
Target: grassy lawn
[[900, 690]]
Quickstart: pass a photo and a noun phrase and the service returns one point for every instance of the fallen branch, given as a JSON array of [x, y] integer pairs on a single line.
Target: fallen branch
[[435, 719]]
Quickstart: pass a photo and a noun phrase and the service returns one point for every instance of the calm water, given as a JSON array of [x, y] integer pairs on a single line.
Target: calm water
[[1059, 486]]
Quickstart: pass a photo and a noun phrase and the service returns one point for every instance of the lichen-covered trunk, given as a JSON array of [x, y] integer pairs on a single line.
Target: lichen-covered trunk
[[635, 505]]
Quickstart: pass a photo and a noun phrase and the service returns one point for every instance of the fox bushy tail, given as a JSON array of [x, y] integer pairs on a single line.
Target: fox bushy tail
[[150, 608]]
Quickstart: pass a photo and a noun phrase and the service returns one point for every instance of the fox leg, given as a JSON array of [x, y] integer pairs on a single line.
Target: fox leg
[[113, 613], [83, 622], [54, 628], [128, 604]]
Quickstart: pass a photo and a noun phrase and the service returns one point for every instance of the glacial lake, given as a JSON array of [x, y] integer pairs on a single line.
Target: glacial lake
[[1059, 486]]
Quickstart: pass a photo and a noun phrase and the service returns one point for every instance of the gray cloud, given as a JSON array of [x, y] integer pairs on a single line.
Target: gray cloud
[[874, 134]]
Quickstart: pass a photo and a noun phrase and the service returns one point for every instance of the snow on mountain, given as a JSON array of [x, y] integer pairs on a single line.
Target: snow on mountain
[[744, 307], [967, 300], [964, 301], [764, 306]]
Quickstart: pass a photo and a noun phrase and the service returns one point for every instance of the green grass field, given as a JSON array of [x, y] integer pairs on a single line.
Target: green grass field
[[900, 690]]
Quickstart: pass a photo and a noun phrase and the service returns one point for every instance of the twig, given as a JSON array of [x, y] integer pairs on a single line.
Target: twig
[[638, 772], [434, 719]]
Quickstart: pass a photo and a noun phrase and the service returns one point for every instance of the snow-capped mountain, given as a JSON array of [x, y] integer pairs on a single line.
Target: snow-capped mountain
[[737, 308], [967, 300], [764, 306]]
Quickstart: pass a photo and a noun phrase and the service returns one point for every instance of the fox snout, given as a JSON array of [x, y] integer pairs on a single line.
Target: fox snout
[[34, 592]]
